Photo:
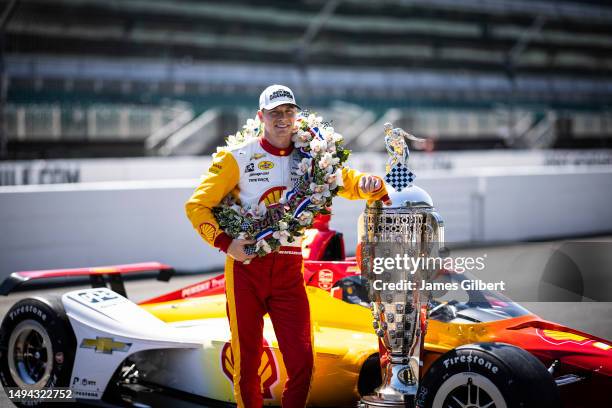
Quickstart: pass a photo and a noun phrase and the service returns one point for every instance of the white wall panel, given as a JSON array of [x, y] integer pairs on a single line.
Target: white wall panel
[[90, 224]]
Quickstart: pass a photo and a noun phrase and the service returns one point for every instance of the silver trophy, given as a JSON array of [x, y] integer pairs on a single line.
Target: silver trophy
[[409, 226]]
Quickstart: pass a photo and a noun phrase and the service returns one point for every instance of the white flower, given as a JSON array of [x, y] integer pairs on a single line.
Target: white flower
[[304, 166], [236, 139], [250, 129], [316, 199], [328, 133], [263, 244], [301, 138], [338, 137], [321, 189], [318, 145], [334, 179], [327, 161], [282, 225], [258, 211], [339, 179], [248, 133], [314, 120], [282, 236], [262, 210], [305, 218]]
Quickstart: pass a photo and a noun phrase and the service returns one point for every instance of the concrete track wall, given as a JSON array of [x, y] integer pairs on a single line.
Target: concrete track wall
[[91, 224]]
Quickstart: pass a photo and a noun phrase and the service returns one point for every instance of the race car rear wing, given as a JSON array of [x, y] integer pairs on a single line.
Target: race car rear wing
[[99, 276]]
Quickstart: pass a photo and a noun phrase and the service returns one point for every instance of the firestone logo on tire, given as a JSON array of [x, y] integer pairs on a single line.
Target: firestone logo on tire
[[268, 369], [28, 309], [477, 360]]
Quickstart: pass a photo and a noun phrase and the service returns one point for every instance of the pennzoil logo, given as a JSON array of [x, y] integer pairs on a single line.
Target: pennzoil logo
[[105, 345], [265, 165], [268, 369]]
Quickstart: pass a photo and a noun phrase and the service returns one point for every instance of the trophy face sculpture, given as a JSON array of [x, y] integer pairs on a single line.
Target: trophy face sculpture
[[408, 228]]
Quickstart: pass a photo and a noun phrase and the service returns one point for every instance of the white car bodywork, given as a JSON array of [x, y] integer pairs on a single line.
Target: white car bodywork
[[109, 328], [181, 355]]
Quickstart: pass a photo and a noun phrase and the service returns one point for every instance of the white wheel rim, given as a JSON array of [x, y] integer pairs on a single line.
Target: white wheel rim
[[468, 390], [30, 355]]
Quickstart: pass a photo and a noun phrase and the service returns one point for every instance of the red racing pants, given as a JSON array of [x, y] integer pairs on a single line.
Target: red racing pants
[[272, 284]]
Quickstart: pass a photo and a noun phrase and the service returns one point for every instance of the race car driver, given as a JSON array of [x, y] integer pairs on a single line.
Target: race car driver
[[255, 172]]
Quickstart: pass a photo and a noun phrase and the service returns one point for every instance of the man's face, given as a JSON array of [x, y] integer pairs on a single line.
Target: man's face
[[279, 122]]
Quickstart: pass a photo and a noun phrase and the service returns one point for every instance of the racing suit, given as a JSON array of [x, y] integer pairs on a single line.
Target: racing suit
[[257, 172]]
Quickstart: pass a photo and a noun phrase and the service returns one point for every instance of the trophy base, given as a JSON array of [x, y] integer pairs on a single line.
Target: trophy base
[[373, 401]]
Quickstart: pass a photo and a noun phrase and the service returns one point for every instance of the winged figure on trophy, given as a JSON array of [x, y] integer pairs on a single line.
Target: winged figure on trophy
[[398, 173]]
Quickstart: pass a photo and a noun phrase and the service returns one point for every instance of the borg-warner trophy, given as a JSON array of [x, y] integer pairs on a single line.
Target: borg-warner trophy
[[408, 226]]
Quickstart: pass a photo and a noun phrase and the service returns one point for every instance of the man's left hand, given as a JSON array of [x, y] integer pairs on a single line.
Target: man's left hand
[[370, 184]]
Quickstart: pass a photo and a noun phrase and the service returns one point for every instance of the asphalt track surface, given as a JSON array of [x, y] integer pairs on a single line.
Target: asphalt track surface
[[591, 317]]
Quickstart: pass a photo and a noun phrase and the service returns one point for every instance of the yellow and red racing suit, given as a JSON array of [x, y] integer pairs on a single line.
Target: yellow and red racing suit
[[257, 172]]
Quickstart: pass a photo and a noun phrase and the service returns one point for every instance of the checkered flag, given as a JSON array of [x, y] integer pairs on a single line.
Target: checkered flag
[[399, 177]]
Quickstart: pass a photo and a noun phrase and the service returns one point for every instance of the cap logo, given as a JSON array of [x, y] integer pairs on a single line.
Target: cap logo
[[280, 94]]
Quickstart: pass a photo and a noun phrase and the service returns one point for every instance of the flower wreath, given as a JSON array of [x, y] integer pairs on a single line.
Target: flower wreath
[[323, 157]]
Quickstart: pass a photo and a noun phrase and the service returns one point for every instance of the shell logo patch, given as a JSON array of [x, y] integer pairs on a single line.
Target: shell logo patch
[[268, 369], [265, 165], [207, 230], [561, 337], [272, 196]]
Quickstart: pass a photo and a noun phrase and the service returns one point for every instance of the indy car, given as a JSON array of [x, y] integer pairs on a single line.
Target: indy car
[[481, 349]]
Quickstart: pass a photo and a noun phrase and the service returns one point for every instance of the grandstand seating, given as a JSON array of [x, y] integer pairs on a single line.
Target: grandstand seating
[[465, 71]]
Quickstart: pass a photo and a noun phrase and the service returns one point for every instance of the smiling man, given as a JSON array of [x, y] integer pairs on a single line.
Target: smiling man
[[257, 172]]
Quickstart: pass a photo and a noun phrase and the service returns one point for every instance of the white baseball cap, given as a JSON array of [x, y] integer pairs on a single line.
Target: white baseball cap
[[276, 95]]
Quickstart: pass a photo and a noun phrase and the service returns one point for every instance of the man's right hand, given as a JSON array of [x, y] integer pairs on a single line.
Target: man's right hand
[[236, 249]]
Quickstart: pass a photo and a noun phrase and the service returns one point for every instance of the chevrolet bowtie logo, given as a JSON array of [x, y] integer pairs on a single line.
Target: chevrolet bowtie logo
[[105, 345]]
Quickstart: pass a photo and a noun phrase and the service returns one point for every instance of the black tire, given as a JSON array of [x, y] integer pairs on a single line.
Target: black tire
[[370, 376], [39, 324], [497, 371]]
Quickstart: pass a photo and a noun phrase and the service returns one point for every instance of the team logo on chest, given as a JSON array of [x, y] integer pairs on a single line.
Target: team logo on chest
[[272, 196], [265, 165], [249, 168]]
